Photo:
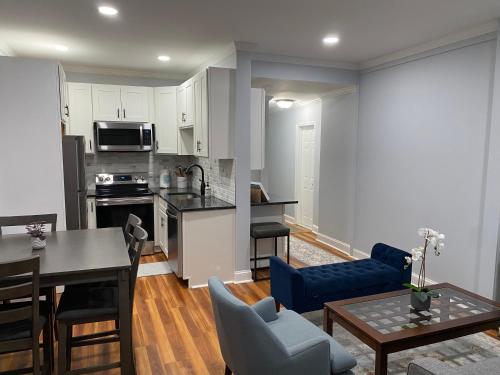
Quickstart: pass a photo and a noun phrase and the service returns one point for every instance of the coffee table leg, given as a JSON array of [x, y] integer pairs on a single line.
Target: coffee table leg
[[380, 362], [327, 322]]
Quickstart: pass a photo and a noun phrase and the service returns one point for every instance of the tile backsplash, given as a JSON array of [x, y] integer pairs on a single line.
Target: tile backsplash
[[219, 173]]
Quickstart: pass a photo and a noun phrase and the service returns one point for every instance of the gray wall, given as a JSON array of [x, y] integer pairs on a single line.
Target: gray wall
[[120, 80], [421, 156], [280, 149], [337, 168]]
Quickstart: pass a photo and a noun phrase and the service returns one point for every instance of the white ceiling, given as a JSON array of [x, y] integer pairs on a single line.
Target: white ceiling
[[193, 31]]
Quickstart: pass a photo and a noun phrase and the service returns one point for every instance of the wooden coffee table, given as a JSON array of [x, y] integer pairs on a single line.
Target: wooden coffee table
[[387, 323]]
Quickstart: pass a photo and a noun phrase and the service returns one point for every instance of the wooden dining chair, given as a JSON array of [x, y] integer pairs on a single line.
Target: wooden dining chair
[[94, 304], [22, 322], [15, 221], [132, 221]]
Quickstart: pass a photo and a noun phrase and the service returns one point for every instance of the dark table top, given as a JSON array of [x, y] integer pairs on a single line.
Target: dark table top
[[276, 200], [71, 252], [197, 204]]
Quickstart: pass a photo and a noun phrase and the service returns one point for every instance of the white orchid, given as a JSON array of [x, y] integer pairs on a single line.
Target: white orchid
[[436, 241]]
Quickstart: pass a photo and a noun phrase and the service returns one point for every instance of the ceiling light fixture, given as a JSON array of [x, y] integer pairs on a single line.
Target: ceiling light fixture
[[60, 47], [330, 40], [284, 103], [164, 58], [108, 11]]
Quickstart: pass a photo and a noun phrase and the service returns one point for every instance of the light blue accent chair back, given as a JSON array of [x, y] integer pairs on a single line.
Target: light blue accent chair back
[[257, 340]]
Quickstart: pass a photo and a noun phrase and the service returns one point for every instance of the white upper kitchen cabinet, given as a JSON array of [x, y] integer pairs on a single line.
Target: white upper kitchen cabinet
[[201, 115], [257, 129], [63, 96], [106, 102], [185, 104], [120, 103], [166, 120], [135, 105], [80, 104]]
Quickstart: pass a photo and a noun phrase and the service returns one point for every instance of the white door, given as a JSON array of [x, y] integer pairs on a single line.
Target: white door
[[135, 106], [306, 177], [166, 120], [106, 102], [201, 115], [80, 104]]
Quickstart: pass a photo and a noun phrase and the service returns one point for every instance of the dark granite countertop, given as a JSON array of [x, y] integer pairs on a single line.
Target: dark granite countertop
[[275, 200], [198, 204]]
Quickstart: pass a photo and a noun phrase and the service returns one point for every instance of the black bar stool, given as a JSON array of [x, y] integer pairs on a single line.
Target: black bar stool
[[268, 230]]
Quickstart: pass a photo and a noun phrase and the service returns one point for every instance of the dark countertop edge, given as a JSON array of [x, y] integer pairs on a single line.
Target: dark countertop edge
[[219, 204], [203, 208], [274, 203]]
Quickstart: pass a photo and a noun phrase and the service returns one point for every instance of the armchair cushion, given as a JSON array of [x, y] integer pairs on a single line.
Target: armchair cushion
[[292, 330], [266, 309]]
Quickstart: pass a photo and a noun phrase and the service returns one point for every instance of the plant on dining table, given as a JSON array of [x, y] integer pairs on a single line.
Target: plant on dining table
[[37, 233], [433, 240]]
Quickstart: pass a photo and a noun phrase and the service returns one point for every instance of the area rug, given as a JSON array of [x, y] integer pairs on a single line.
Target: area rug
[[457, 352], [310, 254], [153, 269]]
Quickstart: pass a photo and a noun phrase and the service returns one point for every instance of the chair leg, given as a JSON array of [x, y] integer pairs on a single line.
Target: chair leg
[[61, 349], [255, 260], [288, 249], [69, 338], [228, 371], [275, 246], [36, 356], [48, 349]]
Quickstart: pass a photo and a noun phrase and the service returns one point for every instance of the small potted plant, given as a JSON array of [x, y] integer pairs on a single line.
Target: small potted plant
[[37, 233], [420, 295]]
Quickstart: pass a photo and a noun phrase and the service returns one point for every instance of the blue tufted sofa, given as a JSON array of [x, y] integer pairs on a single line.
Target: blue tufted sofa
[[307, 289]]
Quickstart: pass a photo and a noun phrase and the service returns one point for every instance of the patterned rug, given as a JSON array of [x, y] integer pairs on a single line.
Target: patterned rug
[[455, 352]]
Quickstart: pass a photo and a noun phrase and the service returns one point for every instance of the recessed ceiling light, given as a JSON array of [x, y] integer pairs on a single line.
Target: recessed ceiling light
[[330, 40], [60, 47], [108, 11], [284, 103], [164, 58]]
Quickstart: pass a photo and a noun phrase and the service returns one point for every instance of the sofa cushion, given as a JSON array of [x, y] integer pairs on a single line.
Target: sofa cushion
[[292, 329], [345, 276]]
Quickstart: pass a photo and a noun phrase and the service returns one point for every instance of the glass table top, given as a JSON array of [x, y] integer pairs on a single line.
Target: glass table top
[[394, 314]]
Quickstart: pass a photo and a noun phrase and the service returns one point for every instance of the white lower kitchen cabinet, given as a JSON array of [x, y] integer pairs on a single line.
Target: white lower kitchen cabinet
[[80, 107], [208, 244], [162, 221], [91, 217]]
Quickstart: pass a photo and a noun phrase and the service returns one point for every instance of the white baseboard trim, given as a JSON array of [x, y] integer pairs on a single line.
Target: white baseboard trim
[[315, 229], [290, 219], [358, 254], [333, 242], [244, 276]]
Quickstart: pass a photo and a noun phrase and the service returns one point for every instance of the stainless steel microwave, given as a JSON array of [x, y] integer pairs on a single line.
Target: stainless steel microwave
[[123, 136]]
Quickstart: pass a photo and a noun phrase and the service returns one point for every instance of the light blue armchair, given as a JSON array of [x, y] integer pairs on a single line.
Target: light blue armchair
[[258, 340]]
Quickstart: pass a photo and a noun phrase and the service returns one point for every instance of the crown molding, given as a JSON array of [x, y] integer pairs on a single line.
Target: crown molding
[[268, 57], [450, 39], [122, 72], [217, 59], [352, 89]]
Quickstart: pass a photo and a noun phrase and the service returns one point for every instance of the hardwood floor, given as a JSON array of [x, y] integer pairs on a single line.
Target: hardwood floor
[[173, 327]]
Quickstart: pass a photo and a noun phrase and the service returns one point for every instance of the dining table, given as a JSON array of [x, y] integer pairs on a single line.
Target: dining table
[[83, 256]]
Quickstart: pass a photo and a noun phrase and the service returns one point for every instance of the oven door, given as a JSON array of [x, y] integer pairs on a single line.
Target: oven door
[[113, 212], [123, 136]]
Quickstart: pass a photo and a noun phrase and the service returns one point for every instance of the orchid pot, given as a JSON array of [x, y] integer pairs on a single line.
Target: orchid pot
[[420, 296], [38, 243], [37, 233]]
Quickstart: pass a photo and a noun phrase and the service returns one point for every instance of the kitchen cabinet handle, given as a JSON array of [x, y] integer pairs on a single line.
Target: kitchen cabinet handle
[[162, 222], [67, 110], [90, 144], [183, 117], [91, 206], [124, 115], [157, 146], [118, 113]]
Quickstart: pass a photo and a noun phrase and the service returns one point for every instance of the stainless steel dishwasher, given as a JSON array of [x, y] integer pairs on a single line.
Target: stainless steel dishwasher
[[174, 226]]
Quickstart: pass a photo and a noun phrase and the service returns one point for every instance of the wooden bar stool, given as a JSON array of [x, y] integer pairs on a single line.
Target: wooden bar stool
[[268, 230]]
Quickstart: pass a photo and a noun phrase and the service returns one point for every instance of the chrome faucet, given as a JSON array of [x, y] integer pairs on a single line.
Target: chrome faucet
[[202, 186]]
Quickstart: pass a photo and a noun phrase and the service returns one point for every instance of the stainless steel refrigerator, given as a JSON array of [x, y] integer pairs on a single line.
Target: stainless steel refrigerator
[[75, 184]]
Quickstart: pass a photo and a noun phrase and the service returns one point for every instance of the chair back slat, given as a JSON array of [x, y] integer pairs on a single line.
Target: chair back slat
[[135, 247], [132, 222], [14, 221], [16, 291], [28, 268], [16, 314]]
